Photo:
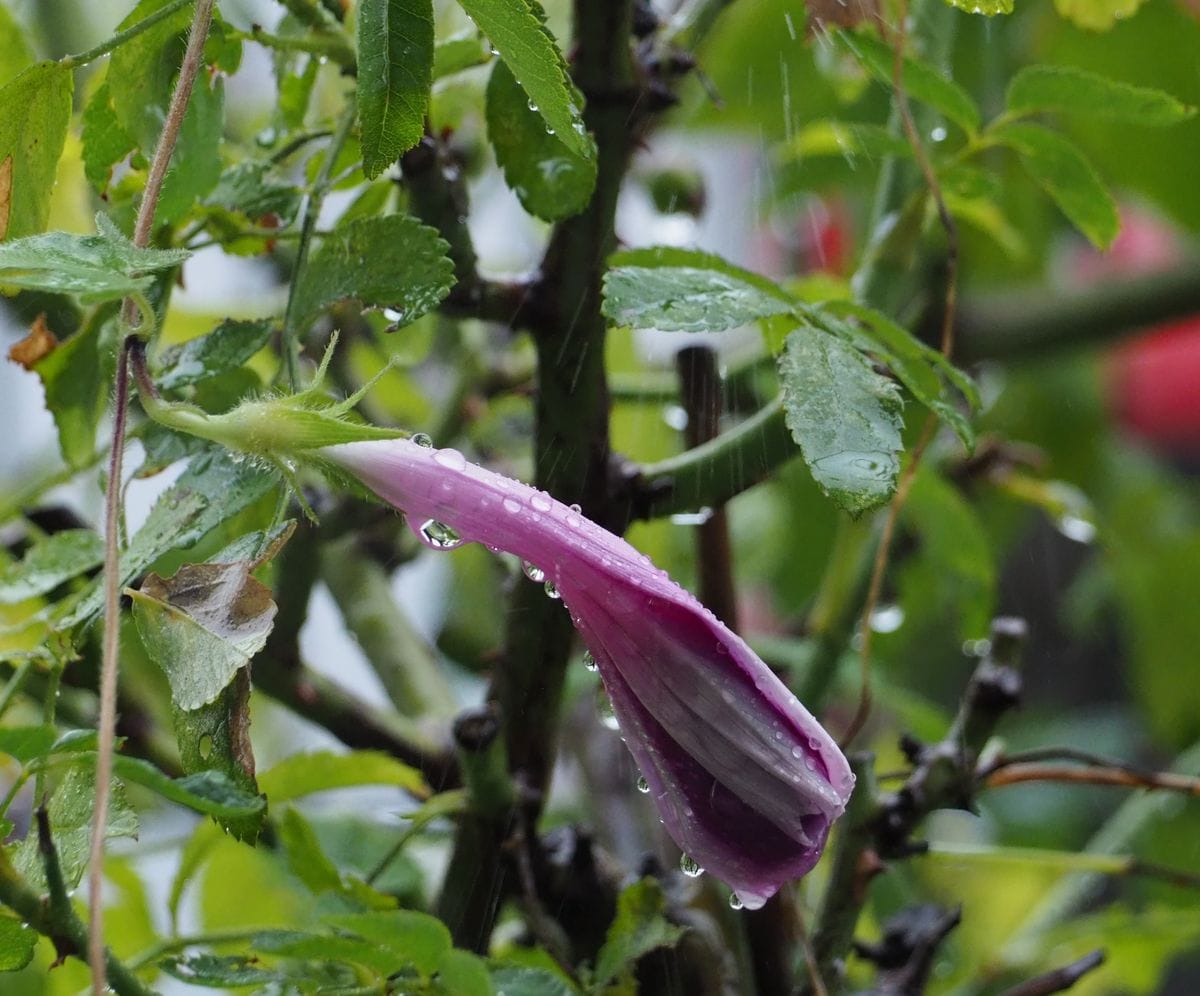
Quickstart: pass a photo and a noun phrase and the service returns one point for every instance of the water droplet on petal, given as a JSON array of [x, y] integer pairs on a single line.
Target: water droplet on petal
[[541, 502], [422, 439], [643, 786], [533, 572], [577, 508], [552, 590], [512, 505], [735, 902], [451, 459], [589, 661], [439, 536], [688, 865], [604, 711]]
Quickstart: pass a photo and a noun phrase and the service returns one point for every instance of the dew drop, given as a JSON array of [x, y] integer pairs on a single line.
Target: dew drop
[[589, 661], [735, 902], [688, 865], [533, 572], [887, 618], [552, 590], [643, 786], [577, 508], [450, 459], [533, 107], [541, 502], [422, 439], [512, 505], [439, 536], [1077, 528], [938, 134]]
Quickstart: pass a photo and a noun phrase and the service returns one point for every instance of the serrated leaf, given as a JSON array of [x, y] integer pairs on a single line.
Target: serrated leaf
[[219, 971], [93, 267], [225, 348], [512, 980], [35, 112], [1097, 15], [639, 927], [411, 938], [196, 162], [252, 189], [215, 487], [525, 45], [1076, 91], [17, 941], [48, 564], [921, 80], [550, 180], [105, 142], [392, 262], [988, 8], [140, 71], [681, 290], [202, 625], [844, 416], [16, 53], [304, 774], [1067, 176], [395, 72], [329, 947], [927, 374]]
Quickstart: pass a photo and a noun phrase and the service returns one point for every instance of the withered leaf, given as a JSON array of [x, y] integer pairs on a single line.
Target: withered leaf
[[40, 341], [6, 170]]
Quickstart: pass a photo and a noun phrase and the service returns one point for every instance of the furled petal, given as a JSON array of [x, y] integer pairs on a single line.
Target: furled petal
[[747, 782]]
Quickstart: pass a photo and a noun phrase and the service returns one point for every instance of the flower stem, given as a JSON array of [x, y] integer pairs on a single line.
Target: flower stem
[[121, 37]]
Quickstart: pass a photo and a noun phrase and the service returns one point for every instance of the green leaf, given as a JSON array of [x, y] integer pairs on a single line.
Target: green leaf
[[411, 938], [510, 980], [16, 54], [927, 374], [35, 111], [196, 162], [922, 81], [680, 290], [1097, 15], [461, 973], [844, 416], [304, 774], [24, 743], [522, 41], [847, 139], [464, 50], [639, 927], [550, 180], [989, 8], [1067, 176], [209, 792], [215, 487], [141, 70], [330, 947], [48, 564], [395, 72], [226, 347], [1077, 91], [105, 142], [252, 190], [70, 812], [75, 382], [93, 267], [17, 941], [392, 262], [219, 971]]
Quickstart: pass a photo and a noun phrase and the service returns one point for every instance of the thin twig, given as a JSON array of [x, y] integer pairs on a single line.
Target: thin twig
[[1121, 777], [883, 553], [1060, 979], [188, 71]]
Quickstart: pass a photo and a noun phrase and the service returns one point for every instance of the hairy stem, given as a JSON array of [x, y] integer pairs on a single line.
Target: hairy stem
[[121, 37]]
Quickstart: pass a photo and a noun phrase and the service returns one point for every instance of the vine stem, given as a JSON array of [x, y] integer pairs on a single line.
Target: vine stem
[[188, 71], [908, 476]]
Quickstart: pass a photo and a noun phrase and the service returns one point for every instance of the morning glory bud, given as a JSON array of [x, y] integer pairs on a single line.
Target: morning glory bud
[[746, 781]]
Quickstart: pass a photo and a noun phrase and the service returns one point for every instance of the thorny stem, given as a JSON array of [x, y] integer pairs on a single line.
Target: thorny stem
[[883, 552], [188, 71]]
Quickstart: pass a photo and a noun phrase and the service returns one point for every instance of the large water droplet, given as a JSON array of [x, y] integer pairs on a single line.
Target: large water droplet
[[643, 786], [688, 865], [533, 572], [577, 508], [439, 535], [541, 502], [887, 618], [1077, 528], [735, 902], [589, 661], [422, 439], [512, 505], [451, 459], [552, 590]]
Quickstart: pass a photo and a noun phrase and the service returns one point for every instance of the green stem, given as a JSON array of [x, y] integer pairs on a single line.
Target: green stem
[[334, 47], [121, 37], [13, 686]]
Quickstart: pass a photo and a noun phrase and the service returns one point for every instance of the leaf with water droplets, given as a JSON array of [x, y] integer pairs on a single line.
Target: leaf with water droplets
[[1068, 90], [48, 564], [845, 417], [1097, 15], [639, 927], [17, 942], [681, 290], [223, 349], [391, 262], [989, 8]]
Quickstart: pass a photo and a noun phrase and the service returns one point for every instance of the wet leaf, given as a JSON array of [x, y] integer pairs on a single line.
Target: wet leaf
[[202, 625], [845, 417], [17, 941], [226, 347], [1097, 15], [1067, 176], [220, 971], [513, 980], [40, 341], [105, 142], [35, 111], [253, 190], [680, 290], [395, 72], [1076, 91], [847, 139], [989, 8], [517, 34], [391, 262], [411, 938], [49, 563], [304, 774], [639, 927], [550, 180]]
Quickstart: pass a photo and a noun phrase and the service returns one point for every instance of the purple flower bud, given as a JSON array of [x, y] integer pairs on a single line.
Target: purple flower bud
[[746, 781]]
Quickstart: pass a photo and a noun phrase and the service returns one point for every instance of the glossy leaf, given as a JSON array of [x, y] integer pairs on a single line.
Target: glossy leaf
[[391, 262], [527, 48], [639, 927], [304, 774], [1067, 176], [845, 417], [550, 180], [847, 139], [395, 72], [48, 564], [226, 347], [681, 290], [922, 81], [35, 111], [1077, 91], [221, 971], [464, 50], [989, 8], [209, 792], [17, 940]]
